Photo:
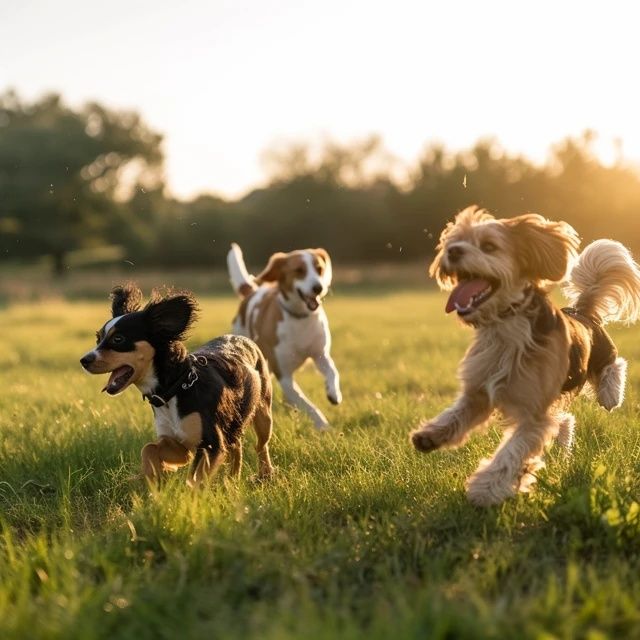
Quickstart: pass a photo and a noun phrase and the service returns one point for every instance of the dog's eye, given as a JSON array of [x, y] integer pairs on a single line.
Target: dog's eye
[[488, 247], [117, 338], [300, 272], [320, 269]]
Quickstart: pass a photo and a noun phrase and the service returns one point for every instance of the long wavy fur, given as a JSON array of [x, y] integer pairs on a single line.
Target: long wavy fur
[[605, 283]]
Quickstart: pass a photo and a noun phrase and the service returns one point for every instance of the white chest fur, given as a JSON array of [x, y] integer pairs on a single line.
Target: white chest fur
[[168, 422], [301, 338]]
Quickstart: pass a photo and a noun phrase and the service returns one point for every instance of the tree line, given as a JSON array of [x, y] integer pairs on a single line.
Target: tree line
[[87, 184]]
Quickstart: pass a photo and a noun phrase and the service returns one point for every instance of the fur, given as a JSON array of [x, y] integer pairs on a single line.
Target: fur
[[281, 309], [527, 353], [201, 401]]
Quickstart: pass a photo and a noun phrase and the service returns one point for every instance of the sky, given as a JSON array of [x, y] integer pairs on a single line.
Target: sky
[[225, 80]]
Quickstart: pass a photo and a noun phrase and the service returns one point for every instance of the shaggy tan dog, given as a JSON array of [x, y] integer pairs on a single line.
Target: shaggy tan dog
[[527, 353]]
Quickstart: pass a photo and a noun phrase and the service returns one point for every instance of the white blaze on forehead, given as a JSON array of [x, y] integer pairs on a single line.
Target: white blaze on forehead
[[104, 332], [112, 323]]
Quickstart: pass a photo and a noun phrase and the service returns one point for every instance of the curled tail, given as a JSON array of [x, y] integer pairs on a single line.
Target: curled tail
[[605, 283], [243, 283]]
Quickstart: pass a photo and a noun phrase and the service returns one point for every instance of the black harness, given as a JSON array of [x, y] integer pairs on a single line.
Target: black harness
[[513, 308], [587, 354], [184, 381], [587, 321]]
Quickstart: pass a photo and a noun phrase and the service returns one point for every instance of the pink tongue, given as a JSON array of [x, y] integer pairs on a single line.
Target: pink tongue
[[463, 293], [113, 384]]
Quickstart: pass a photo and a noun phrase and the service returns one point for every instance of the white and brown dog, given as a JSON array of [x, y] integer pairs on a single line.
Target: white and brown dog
[[528, 354], [281, 310]]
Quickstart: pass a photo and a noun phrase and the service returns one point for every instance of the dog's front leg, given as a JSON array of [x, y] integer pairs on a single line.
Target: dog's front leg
[[513, 467], [452, 426], [326, 366], [166, 454], [293, 395]]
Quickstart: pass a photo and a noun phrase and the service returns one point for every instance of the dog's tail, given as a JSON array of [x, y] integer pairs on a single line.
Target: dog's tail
[[243, 283], [605, 283]]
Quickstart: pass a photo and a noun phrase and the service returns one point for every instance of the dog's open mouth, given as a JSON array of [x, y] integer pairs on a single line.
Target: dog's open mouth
[[312, 302], [118, 379], [469, 294]]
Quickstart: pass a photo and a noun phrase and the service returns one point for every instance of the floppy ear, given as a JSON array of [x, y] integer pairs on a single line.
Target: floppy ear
[[125, 298], [544, 249], [273, 271], [436, 270], [323, 253], [171, 317], [323, 256]]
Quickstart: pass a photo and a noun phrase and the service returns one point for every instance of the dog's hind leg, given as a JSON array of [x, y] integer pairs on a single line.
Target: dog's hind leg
[[566, 427], [610, 384], [452, 426], [263, 425], [207, 459], [235, 458]]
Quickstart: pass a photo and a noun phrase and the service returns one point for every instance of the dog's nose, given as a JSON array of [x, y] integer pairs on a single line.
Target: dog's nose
[[85, 361], [317, 288], [454, 253]]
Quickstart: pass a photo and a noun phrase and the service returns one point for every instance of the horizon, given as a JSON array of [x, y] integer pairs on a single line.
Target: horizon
[[226, 83]]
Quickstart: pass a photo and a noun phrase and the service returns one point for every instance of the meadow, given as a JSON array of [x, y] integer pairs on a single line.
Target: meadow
[[356, 536]]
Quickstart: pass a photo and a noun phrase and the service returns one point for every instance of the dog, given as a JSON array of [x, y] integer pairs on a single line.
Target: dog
[[528, 356], [281, 309], [201, 401]]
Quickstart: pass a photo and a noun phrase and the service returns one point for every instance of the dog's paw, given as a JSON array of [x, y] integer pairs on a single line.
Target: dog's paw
[[264, 475], [334, 397], [423, 440], [490, 488]]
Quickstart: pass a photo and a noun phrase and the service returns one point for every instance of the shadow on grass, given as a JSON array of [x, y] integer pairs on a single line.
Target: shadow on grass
[[77, 484]]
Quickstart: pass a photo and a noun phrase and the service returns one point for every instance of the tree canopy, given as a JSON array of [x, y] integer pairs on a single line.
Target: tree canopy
[[93, 177], [62, 173]]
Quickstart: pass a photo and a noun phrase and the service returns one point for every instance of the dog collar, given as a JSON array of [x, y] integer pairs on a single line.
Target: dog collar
[[512, 309], [293, 314], [184, 381], [580, 317]]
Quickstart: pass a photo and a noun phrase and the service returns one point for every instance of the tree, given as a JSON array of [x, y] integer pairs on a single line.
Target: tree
[[63, 173]]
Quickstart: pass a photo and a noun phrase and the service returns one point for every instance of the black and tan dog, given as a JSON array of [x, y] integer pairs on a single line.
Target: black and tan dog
[[201, 401]]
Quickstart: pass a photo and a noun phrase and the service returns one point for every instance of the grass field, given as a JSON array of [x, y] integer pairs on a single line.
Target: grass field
[[357, 536]]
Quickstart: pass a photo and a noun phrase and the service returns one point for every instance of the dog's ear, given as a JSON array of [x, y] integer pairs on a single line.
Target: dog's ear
[[436, 270], [322, 253], [273, 271], [170, 317], [544, 248], [325, 261], [125, 298]]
